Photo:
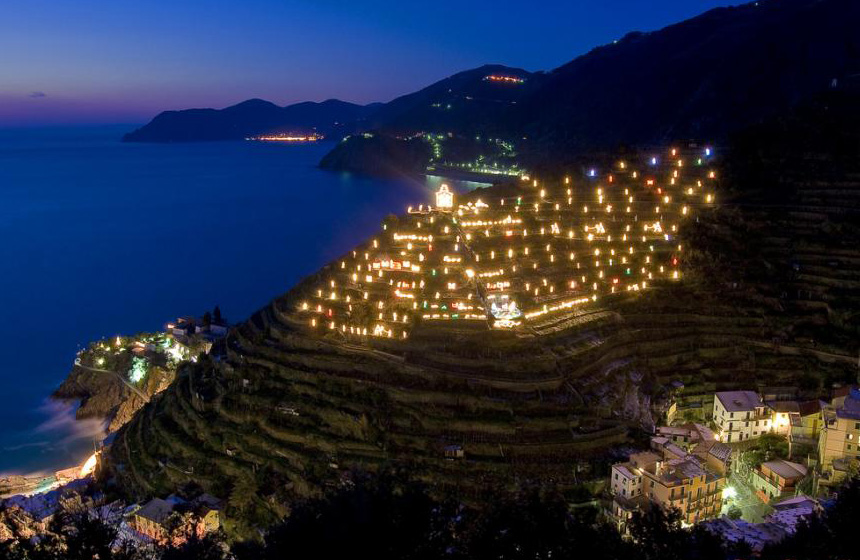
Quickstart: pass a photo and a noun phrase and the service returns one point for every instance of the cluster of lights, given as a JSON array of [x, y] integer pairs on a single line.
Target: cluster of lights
[[296, 138], [563, 247], [503, 79]]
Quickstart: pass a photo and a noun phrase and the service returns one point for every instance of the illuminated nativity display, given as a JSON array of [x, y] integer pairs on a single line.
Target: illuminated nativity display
[[525, 261]]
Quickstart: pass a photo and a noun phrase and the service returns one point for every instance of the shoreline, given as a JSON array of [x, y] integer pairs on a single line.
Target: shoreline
[[60, 473]]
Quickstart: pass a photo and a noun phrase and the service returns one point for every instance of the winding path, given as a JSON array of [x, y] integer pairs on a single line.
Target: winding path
[[119, 376]]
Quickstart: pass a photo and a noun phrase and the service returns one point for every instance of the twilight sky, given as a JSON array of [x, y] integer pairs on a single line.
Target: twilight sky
[[119, 61]]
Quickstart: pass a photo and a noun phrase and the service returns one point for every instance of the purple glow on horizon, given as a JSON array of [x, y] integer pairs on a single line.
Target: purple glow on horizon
[[98, 62]]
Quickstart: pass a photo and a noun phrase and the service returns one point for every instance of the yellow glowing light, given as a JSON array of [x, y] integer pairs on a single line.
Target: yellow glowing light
[[89, 466]]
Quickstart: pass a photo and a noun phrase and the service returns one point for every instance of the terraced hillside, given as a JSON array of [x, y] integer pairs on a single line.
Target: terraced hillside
[[414, 349]]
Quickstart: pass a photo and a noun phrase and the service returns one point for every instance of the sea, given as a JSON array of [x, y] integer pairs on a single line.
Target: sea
[[100, 238]]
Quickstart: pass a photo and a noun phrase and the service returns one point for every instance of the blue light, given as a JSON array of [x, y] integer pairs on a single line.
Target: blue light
[[707, 151], [592, 173], [653, 161]]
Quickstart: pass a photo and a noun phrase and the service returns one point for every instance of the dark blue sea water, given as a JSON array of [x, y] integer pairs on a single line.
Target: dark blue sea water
[[99, 238]]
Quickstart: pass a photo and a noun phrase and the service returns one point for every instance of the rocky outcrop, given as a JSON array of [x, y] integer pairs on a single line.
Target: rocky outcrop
[[15, 523], [100, 393], [378, 154], [104, 395]]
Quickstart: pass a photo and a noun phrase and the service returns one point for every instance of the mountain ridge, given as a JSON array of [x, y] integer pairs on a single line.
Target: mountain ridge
[[250, 118], [704, 78]]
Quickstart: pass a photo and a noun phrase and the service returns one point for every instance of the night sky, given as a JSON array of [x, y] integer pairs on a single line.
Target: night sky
[[88, 61]]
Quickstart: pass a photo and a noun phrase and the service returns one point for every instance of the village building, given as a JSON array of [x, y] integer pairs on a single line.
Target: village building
[[839, 442], [152, 519], [669, 477], [699, 440], [806, 425], [777, 479], [454, 452], [740, 416]]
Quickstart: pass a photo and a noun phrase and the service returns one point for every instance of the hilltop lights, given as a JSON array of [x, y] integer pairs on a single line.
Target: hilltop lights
[[503, 79], [294, 138], [480, 263]]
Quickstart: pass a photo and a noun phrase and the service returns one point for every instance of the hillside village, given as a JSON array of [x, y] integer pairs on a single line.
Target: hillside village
[[703, 468], [541, 328]]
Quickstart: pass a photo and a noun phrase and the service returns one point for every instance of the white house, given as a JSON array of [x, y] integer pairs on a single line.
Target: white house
[[625, 479], [741, 415]]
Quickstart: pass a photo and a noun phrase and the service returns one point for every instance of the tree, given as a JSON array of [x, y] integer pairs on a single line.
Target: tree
[[384, 516], [76, 532], [767, 448], [659, 535], [537, 524], [209, 547], [735, 512], [243, 492]]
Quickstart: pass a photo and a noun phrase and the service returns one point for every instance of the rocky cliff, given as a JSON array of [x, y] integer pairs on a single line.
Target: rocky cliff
[[104, 395], [114, 379]]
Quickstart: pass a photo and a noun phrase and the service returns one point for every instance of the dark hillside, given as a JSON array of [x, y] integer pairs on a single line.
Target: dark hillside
[[768, 296], [251, 118], [702, 78], [468, 102], [705, 78]]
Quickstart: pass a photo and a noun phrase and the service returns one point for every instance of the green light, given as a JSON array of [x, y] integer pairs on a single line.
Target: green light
[[138, 369]]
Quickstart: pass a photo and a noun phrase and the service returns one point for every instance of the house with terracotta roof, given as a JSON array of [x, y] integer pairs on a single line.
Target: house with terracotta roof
[[668, 477], [777, 479], [152, 519]]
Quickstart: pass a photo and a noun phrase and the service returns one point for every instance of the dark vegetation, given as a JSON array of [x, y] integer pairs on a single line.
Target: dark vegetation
[[391, 517], [767, 448], [379, 155]]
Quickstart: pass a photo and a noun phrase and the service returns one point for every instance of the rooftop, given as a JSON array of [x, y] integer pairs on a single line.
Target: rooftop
[[690, 468], [156, 510], [851, 408], [738, 401], [757, 535], [624, 469], [720, 451], [786, 469]]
